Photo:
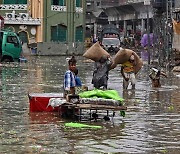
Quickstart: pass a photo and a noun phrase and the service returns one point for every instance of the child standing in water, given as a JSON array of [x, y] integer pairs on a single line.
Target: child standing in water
[[69, 77], [155, 77]]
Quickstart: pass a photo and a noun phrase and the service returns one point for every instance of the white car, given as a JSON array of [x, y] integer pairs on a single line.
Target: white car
[[111, 44]]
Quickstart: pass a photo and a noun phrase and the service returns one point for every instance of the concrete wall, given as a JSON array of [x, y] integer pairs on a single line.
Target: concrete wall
[[176, 37], [177, 4], [176, 41], [62, 49]]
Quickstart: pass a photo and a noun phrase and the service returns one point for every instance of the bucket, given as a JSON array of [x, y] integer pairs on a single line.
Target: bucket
[[34, 50]]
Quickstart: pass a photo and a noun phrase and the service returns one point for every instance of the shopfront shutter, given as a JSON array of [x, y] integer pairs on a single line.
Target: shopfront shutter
[[78, 3]]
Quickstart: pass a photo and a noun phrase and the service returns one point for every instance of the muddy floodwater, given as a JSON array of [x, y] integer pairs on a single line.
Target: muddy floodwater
[[151, 124]]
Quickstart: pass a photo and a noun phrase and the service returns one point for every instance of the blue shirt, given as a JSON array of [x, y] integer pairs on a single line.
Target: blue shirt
[[78, 81], [69, 80]]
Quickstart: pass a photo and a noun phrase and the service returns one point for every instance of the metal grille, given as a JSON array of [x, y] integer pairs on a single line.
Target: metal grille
[[163, 35]]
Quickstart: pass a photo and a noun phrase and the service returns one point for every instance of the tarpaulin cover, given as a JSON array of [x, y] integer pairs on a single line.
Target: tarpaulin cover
[[107, 94], [80, 125]]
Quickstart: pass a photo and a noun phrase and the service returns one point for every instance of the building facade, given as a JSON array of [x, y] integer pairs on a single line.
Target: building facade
[[128, 15], [45, 20], [64, 20], [19, 18]]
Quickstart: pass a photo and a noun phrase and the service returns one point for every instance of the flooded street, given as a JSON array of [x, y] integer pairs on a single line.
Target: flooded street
[[151, 124]]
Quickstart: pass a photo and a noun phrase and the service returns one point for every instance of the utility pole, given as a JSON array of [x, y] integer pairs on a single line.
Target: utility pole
[[147, 3], [168, 29], [46, 20], [163, 31]]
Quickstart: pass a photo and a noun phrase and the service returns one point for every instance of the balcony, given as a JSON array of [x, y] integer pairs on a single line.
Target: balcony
[[79, 9], [58, 8], [89, 1], [109, 3], [21, 18], [13, 7], [134, 1], [115, 3], [29, 21]]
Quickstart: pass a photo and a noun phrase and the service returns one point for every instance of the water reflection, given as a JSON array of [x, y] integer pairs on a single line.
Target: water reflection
[[144, 55], [8, 73], [151, 124]]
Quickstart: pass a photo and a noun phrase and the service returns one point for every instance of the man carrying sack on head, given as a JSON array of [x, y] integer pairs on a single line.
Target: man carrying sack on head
[[102, 65], [101, 71], [130, 66], [127, 71]]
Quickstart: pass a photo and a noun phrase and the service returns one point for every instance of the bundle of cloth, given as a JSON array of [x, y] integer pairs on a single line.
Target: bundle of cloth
[[103, 94]]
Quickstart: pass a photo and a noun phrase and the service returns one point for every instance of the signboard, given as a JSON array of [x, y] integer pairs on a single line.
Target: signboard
[[1, 22], [147, 2]]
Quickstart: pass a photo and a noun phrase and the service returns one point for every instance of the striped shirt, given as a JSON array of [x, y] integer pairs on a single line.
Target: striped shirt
[[69, 80]]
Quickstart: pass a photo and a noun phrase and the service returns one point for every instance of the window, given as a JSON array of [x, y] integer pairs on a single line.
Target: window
[[58, 2], [54, 33], [23, 36], [62, 30], [62, 2], [55, 2], [12, 39], [58, 33], [79, 34], [78, 3], [15, 1]]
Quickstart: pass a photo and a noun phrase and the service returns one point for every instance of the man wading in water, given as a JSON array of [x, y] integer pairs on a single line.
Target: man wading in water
[[101, 71]]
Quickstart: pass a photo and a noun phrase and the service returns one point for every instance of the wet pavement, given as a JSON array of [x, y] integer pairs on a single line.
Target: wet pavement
[[151, 124]]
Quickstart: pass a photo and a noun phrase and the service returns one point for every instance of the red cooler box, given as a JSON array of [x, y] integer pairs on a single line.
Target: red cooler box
[[39, 101]]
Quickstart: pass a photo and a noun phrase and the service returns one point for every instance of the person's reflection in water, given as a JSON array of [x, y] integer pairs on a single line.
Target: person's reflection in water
[[144, 55], [155, 96], [128, 94]]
